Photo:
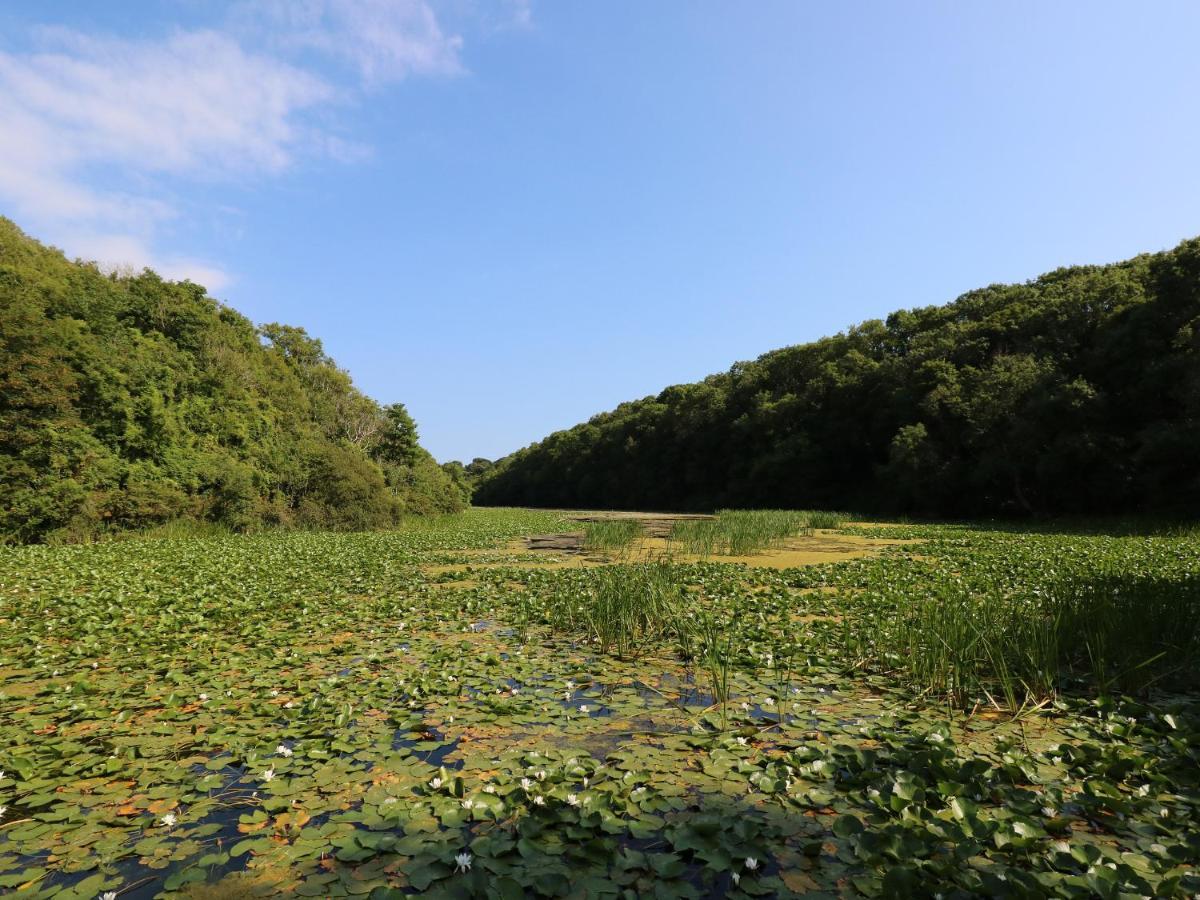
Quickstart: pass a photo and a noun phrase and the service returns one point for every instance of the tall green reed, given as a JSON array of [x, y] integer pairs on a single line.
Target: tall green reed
[[611, 534]]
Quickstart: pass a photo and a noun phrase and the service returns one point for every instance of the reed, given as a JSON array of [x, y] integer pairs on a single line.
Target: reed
[[743, 532], [1102, 633], [611, 534]]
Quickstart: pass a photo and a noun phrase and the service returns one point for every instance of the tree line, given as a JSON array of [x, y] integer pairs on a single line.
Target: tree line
[[1076, 393], [128, 401]]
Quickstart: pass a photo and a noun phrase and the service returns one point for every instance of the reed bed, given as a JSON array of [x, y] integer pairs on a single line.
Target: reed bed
[[1105, 633], [612, 534], [742, 532]]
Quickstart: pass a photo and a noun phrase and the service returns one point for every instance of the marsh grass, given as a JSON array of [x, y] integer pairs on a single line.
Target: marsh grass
[[1101, 633], [625, 609], [715, 654], [827, 519], [743, 532], [612, 534], [630, 609]]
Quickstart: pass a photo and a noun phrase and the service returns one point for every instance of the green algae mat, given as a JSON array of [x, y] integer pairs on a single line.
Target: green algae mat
[[427, 712]]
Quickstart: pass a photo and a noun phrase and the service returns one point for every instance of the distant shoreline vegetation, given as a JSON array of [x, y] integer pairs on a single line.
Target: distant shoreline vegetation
[[130, 402], [1075, 394]]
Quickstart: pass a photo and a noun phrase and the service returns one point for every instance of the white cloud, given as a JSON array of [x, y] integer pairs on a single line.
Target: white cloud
[[91, 128], [385, 40], [84, 110], [128, 252]]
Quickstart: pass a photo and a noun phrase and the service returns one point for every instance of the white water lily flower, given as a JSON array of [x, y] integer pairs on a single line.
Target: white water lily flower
[[3, 810], [737, 878], [283, 750], [741, 740], [489, 789], [585, 781], [168, 821], [583, 709], [526, 784], [435, 782], [268, 775], [108, 895], [274, 693], [570, 685], [462, 862], [751, 864], [468, 803], [539, 800], [204, 698], [288, 705], [572, 799]]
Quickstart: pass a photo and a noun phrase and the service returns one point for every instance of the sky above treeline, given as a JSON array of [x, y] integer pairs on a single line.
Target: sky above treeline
[[513, 215]]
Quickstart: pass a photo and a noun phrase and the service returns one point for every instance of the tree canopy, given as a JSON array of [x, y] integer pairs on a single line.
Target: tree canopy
[[1078, 392], [128, 401]]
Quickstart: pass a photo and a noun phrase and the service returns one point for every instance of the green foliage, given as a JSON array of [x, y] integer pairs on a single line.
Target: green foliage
[[311, 713], [1119, 632], [127, 402], [625, 609], [1075, 393], [467, 477], [739, 532], [611, 534]]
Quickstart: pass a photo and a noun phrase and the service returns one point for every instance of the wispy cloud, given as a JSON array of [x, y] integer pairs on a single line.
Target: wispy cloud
[[124, 251], [92, 127], [383, 40]]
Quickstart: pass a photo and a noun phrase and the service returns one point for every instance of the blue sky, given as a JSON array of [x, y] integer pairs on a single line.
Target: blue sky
[[513, 215]]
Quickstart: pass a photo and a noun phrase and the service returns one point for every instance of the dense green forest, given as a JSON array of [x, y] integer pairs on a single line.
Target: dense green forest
[[1075, 393], [127, 401]]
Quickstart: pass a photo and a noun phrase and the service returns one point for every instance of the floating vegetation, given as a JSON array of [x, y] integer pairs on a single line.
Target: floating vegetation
[[316, 714]]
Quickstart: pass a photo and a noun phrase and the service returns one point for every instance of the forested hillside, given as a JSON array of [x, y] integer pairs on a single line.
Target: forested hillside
[[129, 401], [1076, 393]]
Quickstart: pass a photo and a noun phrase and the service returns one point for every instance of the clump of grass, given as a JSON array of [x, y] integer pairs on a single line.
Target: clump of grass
[[715, 654], [742, 532], [623, 608], [827, 519], [1105, 633], [611, 534], [698, 537]]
